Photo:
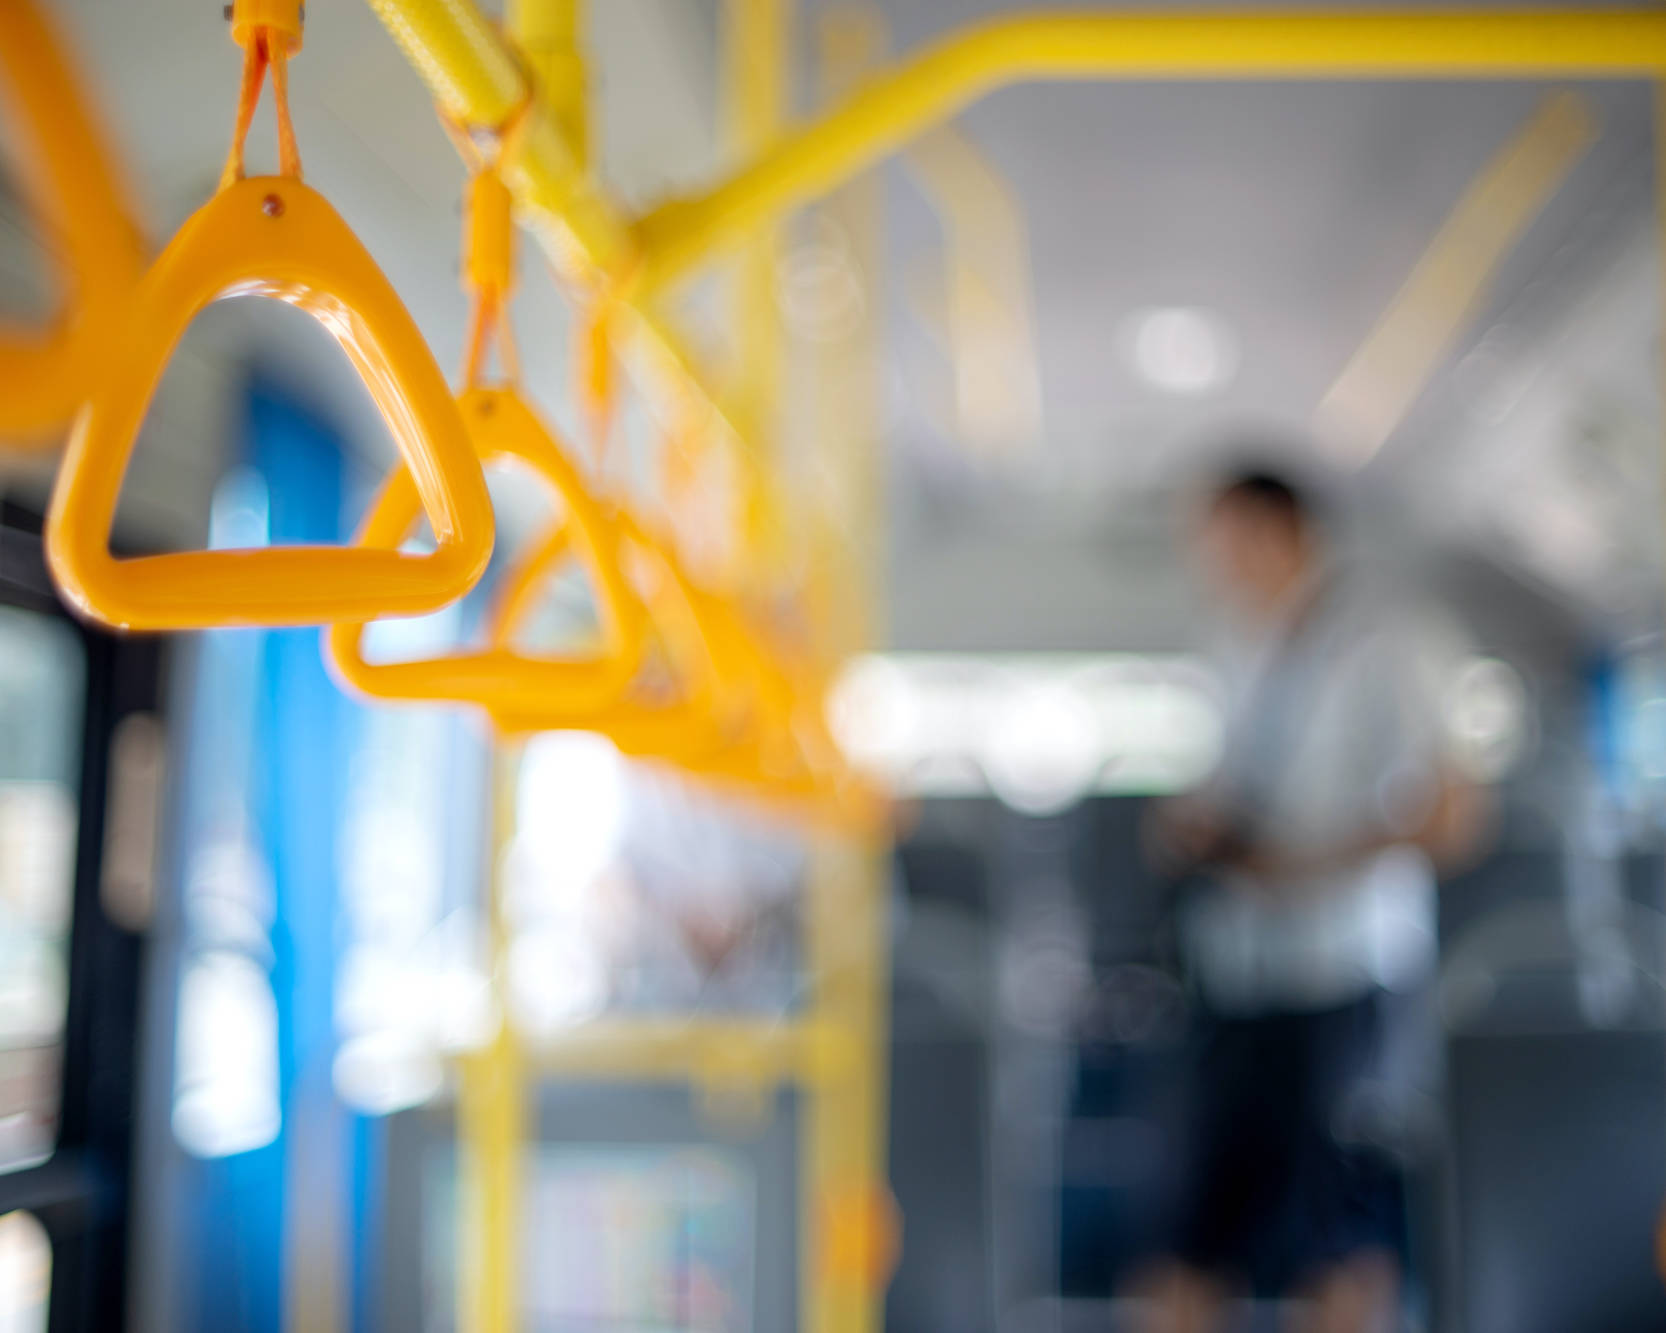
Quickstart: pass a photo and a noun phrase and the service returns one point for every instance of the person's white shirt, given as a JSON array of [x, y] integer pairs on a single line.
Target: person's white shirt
[[1335, 734]]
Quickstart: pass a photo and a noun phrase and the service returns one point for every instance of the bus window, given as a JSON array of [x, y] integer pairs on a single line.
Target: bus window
[[41, 691]]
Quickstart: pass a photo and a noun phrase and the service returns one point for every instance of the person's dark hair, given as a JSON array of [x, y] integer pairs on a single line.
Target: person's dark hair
[[1269, 491]]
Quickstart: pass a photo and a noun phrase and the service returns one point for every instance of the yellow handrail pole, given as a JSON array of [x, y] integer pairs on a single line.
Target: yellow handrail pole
[[491, 1112], [846, 1227], [550, 37], [843, 1263], [926, 89], [495, 1087], [757, 58]]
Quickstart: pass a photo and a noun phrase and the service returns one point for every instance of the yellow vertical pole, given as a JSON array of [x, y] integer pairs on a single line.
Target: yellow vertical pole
[[847, 1228], [757, 60], [550, 35], [846, 1234], [491, 1112]]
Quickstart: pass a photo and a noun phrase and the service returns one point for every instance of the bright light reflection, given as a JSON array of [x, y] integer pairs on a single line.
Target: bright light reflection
[[570, 806], [387, 1071], [407, 638], [1487, 717], [25, 1274], [239, 512], [557, 979], [226, 1077], [1043, 750], [1039, 731]]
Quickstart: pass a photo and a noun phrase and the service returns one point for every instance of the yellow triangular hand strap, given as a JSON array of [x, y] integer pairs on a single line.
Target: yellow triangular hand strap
[[269, 236], [731, 711], [503, 428], [683, 705]]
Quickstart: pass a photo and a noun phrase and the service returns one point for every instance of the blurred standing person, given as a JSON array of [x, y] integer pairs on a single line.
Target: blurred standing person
[[1314, 848]]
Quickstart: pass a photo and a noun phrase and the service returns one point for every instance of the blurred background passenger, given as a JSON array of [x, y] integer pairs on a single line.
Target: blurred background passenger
[[1306, 868]]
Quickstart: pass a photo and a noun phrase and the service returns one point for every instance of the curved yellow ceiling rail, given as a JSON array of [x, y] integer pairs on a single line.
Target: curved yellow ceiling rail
[[469, 68], [504, 429], [895, 107]]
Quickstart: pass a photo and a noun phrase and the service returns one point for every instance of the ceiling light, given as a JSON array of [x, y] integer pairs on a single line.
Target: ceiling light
[[1181, 350]]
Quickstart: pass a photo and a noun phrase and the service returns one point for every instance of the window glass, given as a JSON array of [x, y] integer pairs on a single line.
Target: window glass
[[41, 690]]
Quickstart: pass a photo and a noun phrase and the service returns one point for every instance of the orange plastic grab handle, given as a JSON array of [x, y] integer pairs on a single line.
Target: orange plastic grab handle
[[69, 176], [686, 711], [734, 714], [274, 237], [503, 428]]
